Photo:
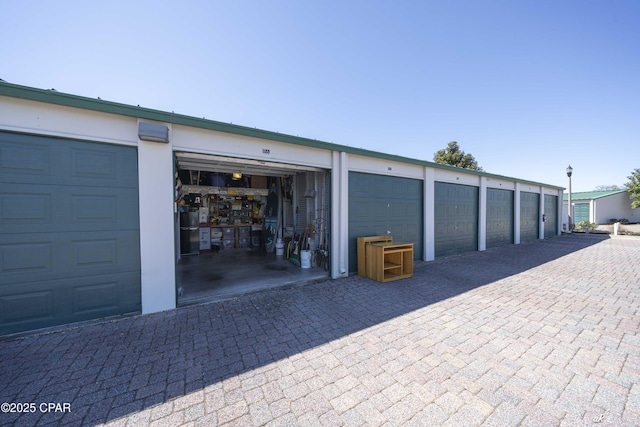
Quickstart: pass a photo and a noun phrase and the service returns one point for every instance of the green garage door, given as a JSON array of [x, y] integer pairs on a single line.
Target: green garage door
[[380, 204], [551, 216], [581, 212], [456, 219], [529, 216], [499, 217], [69, 231]]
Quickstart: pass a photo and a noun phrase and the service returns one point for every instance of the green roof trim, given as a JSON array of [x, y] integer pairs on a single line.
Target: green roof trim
[[51, 96], [591, 195]]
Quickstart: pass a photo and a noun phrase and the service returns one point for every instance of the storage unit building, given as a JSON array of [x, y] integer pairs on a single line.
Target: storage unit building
[[107, 234], [600, 207]]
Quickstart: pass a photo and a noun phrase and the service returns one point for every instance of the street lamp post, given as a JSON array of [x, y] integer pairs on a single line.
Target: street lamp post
[[569, 213]]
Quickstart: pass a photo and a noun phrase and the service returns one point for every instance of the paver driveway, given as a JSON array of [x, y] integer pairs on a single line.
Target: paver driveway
[[539, 334]]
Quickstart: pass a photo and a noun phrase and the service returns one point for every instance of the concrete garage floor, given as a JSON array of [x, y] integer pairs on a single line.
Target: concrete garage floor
[[217, 276]]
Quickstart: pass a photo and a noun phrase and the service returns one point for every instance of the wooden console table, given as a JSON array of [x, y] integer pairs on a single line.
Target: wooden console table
[[382, 260]]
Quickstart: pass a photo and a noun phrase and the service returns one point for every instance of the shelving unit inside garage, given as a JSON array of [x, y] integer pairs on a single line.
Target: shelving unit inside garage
[[228, 217]]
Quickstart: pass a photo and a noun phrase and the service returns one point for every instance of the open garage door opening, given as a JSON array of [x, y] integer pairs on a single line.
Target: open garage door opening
[[246, 225]]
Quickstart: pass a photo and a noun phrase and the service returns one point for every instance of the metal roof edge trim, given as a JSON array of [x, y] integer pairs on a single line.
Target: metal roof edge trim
[[52, 96], [586, 195], [611, 193]]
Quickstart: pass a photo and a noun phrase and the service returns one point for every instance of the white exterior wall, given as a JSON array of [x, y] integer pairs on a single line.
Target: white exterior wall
[[616, 206], [47, 119], [384, 167], [455, 177], [157, 235], [501, 184]]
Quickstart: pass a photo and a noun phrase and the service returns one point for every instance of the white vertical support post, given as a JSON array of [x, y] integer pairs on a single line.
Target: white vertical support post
[[482, 214], [516, 215], [540, 222], [316, 208], [344, 210], [559, 212], [339, 250], [429, 195], [156, 201]]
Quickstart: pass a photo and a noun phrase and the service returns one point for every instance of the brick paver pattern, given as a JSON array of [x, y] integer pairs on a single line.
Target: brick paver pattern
[[539, 334]]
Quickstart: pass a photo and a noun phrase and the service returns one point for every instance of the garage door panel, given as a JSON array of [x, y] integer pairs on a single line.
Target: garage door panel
[[529, 216], [397, 210], [360, 210], [456, 218], [72, 209], [581, 212], [27, 159], [412, 231], [40, 304], [380, 210], [551, 216], [58, 255], [398, 188], [25, 207], [69, 231], [25, 306], [499, 217], [394, 205], [25, 258], [413, 209]]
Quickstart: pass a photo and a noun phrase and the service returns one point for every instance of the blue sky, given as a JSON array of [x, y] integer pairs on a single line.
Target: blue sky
[[527, 87]]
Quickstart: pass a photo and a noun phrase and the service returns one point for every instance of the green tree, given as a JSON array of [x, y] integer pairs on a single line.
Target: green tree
[[633, 187], [454, 156]]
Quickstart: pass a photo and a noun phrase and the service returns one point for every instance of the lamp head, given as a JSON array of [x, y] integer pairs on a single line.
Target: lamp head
[[569, 171]]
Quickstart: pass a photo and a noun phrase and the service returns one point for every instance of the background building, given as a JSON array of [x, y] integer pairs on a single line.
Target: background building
[[601, 206]]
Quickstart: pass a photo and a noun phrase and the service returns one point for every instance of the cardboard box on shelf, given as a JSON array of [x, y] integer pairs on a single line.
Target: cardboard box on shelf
[[258, 181]]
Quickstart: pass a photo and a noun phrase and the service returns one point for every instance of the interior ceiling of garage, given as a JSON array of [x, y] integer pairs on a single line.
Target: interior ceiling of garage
[[222, 164]]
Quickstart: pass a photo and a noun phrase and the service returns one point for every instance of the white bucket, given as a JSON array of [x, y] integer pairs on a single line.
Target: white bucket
[[305, 259], [279, 247]]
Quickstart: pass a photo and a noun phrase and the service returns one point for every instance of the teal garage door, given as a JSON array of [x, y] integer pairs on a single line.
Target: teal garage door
[[69, 231], [456, 219], [380, 204], [499, 217], [529, 216], [551, 216], [581, 212]]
